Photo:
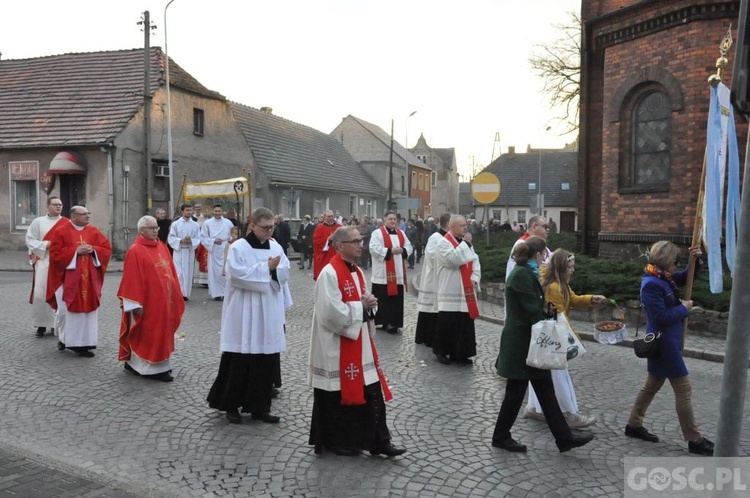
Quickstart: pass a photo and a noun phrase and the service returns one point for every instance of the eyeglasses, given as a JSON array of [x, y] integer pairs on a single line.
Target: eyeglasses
[[355, 241], [267, 228], [81, 214], [56, 205], [151, 228]]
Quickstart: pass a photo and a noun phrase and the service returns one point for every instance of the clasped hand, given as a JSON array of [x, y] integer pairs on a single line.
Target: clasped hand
[[369, 301], [84, 249], [273, 262]]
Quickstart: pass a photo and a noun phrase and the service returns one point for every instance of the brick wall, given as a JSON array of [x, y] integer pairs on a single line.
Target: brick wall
[[671, 44]]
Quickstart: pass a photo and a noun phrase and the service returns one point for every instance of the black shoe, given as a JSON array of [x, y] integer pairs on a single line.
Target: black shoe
[[220, 298], [234, 416], [441, 358], [641, 433], [393, 330], [388, 450], [301, 267], [60, 345], [274, 393], [40, 331], [185, 299], [701, 447], [341, 451], [510, 444], [86, 353], [266, 417], [574, 442], [464, 361], [130, 369], [163, 377]]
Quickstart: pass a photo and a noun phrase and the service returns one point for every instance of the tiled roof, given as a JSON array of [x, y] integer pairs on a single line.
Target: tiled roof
[[516, 171], [385, 138], [79, 99], [446, 155], [294, 154]]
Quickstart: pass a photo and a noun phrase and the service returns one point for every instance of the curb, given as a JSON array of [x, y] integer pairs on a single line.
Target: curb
[[699, 354]]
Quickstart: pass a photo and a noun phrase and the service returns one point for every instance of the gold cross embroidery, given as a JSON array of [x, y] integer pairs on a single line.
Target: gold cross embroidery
[[391, 276]]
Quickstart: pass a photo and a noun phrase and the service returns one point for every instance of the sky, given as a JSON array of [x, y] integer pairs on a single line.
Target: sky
[[462, 65]]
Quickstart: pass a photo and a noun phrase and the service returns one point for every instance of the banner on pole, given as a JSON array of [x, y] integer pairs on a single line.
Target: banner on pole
[[721, 152]]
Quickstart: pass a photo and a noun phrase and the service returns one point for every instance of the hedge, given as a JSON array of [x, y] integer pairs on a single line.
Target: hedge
[[619, 280]]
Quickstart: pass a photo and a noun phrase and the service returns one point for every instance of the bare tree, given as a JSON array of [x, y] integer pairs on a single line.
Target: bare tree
[[559, 64]]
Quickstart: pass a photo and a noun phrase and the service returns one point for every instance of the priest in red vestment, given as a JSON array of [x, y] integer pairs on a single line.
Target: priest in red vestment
[[78, 254], [152, 305], [323, 252]]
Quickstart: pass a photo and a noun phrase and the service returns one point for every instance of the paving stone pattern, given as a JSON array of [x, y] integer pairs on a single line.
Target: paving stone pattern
[[86, 427]]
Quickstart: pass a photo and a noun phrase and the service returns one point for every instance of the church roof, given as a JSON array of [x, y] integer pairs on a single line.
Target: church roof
[[294, 154], [79, 98]]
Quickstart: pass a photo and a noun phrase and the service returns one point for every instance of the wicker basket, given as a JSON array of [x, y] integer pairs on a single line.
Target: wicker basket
[[610, 332]]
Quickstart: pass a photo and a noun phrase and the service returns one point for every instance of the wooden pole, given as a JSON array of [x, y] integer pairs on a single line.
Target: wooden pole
[[696, 240]]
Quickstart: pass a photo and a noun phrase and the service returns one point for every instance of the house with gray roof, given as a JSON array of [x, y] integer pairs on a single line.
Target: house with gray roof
[[444, 177], [75, 126], [520, 175], [300, 170], [370, 146]]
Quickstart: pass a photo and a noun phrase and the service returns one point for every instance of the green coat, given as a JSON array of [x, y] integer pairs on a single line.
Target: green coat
[[524, 305]]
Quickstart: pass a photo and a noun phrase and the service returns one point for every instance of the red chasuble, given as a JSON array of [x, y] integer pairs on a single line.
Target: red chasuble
[[353, 386], [321, 258], [466, 283], [201, 254], [82, 287], [150, 279], [390, 265]]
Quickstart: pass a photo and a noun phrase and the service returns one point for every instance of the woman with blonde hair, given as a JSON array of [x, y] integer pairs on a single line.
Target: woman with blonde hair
[[665, 313], [556, 285], [525, 303]]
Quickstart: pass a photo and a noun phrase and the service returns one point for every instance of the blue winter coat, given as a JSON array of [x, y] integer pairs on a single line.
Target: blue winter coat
[[665, 314]]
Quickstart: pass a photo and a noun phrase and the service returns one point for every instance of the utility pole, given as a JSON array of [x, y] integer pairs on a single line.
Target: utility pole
[[496, 142], [390, 174], [147, 169]]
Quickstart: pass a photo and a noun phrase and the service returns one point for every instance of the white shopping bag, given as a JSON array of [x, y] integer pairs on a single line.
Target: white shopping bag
[[574, 346], [548, 348]]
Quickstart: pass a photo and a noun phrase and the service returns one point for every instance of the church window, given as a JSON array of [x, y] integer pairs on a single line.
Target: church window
[[650, 158]]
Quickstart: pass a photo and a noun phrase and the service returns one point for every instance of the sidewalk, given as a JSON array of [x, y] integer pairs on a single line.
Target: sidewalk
[[706, 348]]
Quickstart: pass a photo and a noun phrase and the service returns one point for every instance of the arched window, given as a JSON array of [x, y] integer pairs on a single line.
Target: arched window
[[651, 137]]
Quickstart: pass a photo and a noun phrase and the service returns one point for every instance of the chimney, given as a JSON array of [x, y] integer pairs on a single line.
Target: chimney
[[512, 149], [267, 110]]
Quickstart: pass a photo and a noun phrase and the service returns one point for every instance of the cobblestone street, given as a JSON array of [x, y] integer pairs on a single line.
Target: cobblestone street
[[75, 426]]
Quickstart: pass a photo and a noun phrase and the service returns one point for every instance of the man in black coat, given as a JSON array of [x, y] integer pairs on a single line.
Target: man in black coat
[[282, 233], [305, 238]]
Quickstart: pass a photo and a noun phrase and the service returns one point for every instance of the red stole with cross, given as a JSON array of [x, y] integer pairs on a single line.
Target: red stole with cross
[[468, 285], [352, 375], [390, 264]]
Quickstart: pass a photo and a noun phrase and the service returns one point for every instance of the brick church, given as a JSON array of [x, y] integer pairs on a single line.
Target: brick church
[[644, 103]]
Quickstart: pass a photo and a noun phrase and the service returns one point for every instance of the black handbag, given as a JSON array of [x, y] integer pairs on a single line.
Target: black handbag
[[649, 346]]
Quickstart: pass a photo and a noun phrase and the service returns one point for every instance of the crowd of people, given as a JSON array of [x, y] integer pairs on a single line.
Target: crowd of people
[[250, 274]]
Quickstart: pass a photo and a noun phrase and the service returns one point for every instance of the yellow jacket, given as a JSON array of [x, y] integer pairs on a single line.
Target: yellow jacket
[[554, 294]]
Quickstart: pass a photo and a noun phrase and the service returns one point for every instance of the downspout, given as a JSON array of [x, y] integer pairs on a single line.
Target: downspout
[[111, 191], [125, 200]]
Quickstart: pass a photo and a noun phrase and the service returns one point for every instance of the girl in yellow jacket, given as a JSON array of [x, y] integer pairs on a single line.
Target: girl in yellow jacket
[[555, 282]]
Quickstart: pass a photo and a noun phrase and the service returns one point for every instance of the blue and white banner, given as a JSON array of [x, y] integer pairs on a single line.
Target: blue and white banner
[[721, 149]]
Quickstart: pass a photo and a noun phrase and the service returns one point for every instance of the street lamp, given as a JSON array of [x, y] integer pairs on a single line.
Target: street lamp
[[169, 117], [406, 130], [539, 185]]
